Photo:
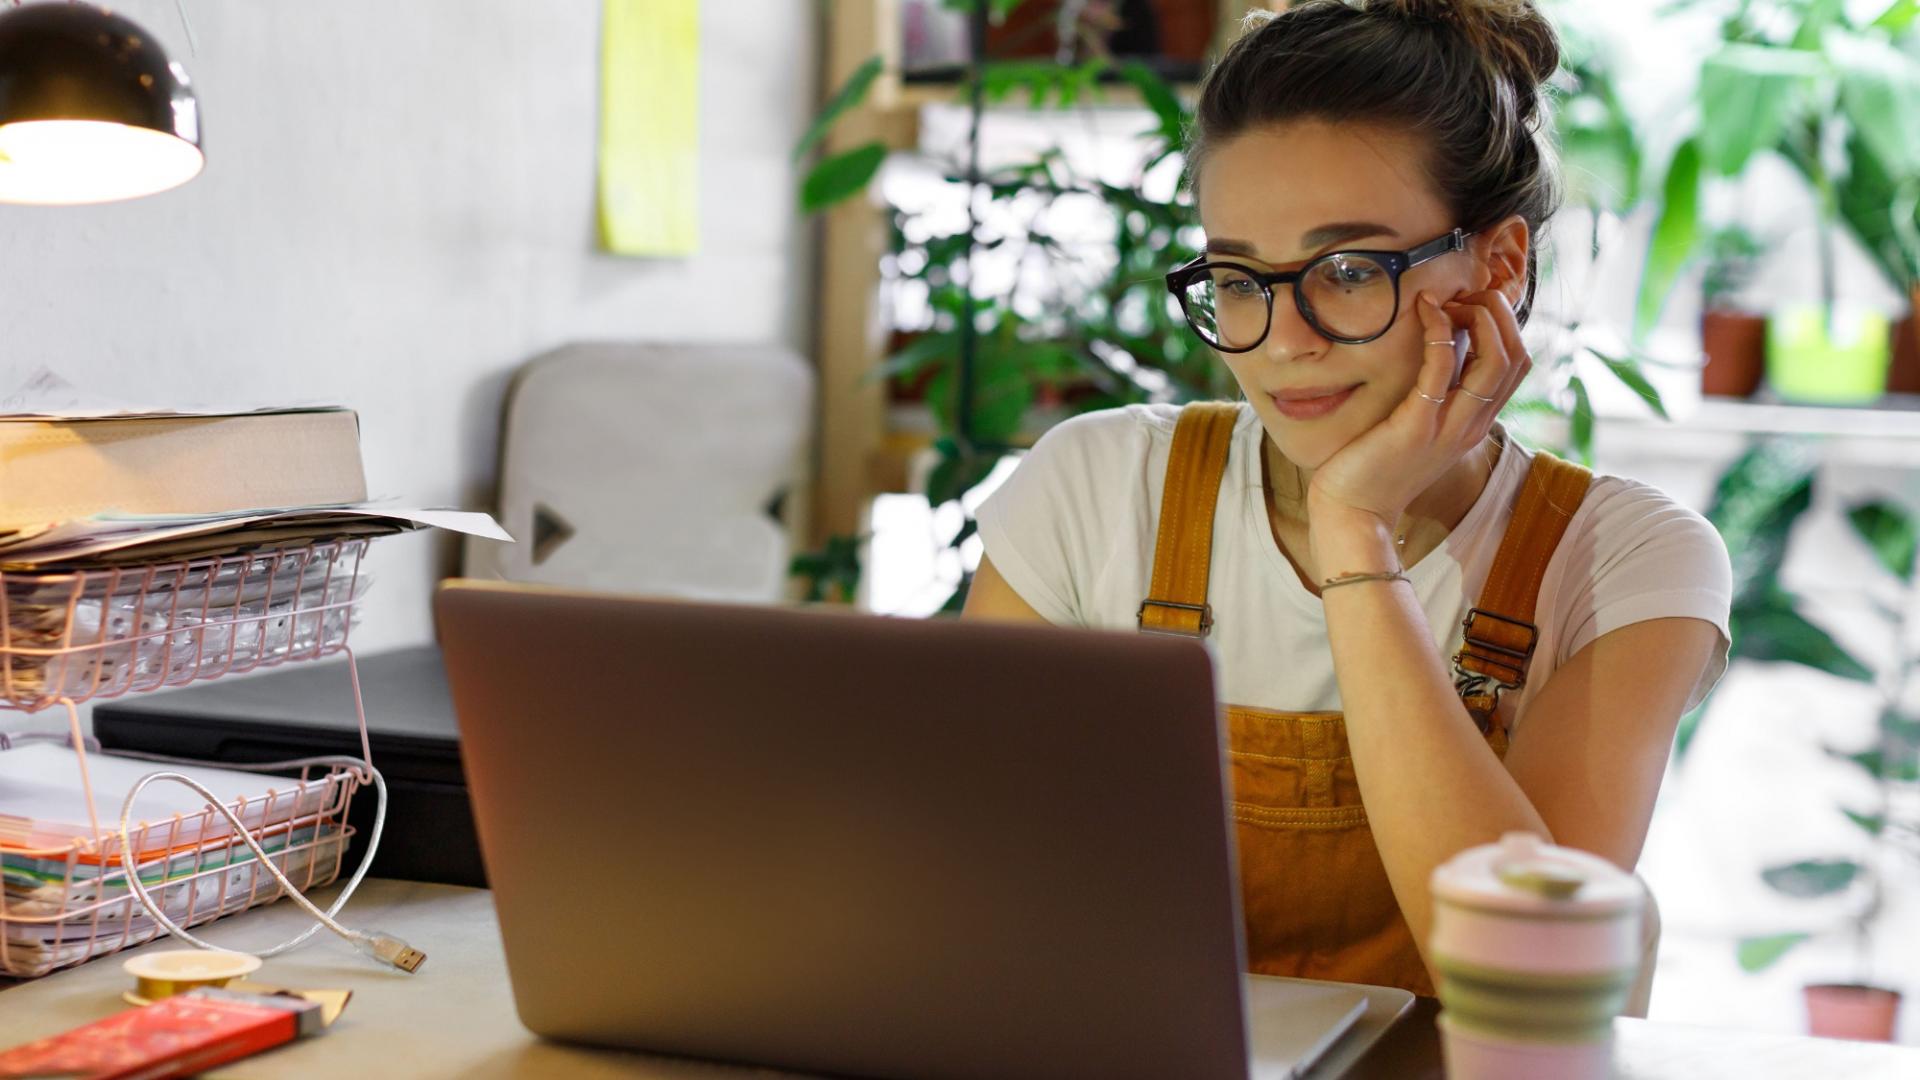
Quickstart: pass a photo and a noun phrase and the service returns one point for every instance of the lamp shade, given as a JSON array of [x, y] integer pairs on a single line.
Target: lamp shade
[[91, 110]]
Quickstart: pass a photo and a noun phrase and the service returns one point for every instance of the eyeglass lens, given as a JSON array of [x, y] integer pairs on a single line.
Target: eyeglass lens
[[1349, 296]]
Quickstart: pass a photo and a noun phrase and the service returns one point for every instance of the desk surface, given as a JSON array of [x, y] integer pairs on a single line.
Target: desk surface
[[455, 1018]]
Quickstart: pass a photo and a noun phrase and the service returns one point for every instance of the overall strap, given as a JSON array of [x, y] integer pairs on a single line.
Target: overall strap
[[1183, 550], [1500, 630]]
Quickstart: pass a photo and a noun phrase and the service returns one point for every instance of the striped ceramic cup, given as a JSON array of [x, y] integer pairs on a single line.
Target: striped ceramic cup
[[1537, 949]]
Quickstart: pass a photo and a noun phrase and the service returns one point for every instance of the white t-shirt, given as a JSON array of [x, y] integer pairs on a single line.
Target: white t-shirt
[[1072, 530]]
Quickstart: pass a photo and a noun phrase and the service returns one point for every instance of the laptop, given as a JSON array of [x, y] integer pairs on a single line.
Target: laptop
[[841, 843]]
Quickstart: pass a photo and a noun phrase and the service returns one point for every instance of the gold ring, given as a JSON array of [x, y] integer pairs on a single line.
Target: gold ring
[[1449, 341], [1430, 397], [1473, 395]]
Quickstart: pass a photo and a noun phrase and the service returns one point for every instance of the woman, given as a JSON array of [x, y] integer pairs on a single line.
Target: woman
[[1429, 635]]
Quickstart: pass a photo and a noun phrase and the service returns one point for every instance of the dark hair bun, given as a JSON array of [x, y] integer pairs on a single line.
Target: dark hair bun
[[1511, 34]]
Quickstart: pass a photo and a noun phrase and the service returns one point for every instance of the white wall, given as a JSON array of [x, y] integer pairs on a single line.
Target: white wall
[[398, 209]]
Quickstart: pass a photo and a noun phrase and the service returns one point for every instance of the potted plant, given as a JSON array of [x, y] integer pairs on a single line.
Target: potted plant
[[1828, 353], [1882, 207], [1732, 335], [1862, 1009], [1837, 97]]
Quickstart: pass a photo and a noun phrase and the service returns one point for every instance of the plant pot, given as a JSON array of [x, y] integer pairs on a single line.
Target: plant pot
[[1155, 30], [1187, 29], [1030, 31], [1842, 364], [1851, 1011], [908, 388], [1903, 374], [1736, 347]]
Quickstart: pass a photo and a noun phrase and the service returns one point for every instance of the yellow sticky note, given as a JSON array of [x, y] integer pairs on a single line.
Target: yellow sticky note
[[649, 127]]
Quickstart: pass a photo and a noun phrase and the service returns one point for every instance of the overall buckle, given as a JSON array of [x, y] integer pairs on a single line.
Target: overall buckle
[[1205, 611], [1505, 656]]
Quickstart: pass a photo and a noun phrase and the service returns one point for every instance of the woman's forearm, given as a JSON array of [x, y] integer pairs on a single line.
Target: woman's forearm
[[1432, 786]]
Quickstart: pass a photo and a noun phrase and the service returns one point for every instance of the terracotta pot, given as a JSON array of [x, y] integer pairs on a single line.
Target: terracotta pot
[[1165, 29], [912, 387], [1903, 374], [1187, 28], [1030, 31], [1736, 347], [1850, 1011]]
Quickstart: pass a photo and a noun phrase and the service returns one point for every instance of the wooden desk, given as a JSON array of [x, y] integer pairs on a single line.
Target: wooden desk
[[455, 1018]]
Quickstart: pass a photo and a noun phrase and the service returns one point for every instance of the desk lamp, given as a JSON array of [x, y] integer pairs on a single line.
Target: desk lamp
[[91, 110]]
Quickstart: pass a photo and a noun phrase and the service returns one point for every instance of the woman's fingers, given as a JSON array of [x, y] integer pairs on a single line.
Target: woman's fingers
[[1436, 354], [1504, 319], [1487, 363], [1519, 361], [1483, 384]]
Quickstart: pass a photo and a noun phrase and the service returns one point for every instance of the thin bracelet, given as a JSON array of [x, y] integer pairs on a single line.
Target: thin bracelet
[[1352, 579]]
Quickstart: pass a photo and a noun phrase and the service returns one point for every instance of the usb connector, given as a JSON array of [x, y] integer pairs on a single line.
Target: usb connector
[[391, 951]]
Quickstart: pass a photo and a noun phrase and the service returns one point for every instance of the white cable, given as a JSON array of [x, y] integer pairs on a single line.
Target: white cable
[[381, 946]]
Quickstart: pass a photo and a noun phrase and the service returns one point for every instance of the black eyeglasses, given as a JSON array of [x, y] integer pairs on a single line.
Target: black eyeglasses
[[1351, 297]]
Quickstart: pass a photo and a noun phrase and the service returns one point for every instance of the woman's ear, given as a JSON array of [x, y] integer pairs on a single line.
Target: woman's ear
[[1504, 258]]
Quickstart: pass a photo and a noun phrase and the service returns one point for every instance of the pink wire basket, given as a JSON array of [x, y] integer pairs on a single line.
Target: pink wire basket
[[65, 904], [67, 637]]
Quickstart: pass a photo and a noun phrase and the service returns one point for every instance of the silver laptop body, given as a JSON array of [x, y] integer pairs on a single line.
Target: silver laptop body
[[850, 844]]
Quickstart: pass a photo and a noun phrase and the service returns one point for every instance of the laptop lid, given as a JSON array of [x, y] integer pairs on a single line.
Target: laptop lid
[[852, 844]]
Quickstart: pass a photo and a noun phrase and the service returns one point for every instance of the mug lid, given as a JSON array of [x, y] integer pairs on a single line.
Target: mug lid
[[1525, 874]]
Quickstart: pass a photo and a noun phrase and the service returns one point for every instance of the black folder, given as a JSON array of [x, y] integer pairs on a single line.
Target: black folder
[[304, 709]]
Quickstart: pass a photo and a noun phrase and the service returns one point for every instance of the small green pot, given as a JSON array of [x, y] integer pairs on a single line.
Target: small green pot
[[1810, 362]]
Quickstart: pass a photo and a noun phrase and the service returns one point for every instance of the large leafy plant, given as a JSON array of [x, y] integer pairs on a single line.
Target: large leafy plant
[[1838, 97], [1757, 505], [1890, 767]]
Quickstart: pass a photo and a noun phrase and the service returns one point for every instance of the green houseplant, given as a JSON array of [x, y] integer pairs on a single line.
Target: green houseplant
[[1837, 97], [1890, 776], [1758, 503]]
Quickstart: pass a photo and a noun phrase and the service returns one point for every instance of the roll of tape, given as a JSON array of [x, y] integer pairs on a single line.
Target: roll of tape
[[163, 974]]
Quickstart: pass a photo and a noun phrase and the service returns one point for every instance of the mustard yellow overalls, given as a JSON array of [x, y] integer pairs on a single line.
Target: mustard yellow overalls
[[1315, 895]]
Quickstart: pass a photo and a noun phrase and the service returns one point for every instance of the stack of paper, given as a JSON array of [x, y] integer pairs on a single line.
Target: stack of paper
[[64, 896], [117, 539]]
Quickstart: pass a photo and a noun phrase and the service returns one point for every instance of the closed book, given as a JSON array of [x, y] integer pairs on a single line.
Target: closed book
[[180, 1036], [58, 469]]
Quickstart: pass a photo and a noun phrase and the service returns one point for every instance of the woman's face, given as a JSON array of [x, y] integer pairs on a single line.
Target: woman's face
[[1275, 197]]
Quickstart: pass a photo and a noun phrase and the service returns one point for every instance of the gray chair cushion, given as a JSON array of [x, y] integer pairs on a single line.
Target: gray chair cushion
[[651, 469]]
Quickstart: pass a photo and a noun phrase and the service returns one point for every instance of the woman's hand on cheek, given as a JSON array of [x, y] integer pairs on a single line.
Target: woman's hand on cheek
[[1370, 482]]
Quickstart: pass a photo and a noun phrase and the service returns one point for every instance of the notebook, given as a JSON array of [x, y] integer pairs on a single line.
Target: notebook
[[42, 806]]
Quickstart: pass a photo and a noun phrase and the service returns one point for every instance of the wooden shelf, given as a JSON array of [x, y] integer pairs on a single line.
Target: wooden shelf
[[915, 96], [1894, 417], [1714, 427]]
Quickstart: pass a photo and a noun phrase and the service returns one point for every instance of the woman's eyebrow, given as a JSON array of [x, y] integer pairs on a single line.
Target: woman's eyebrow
[[1339, 232], [1342, 231]]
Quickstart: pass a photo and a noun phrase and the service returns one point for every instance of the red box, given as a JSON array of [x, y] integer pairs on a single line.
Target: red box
[[179, 1036]]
